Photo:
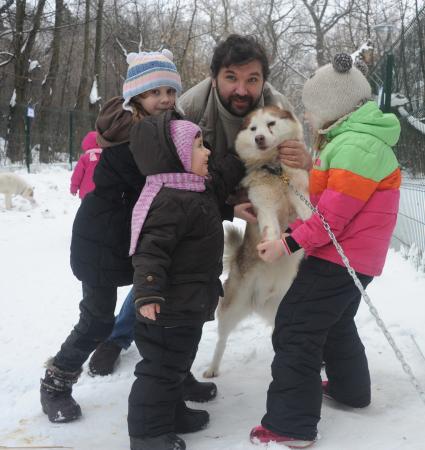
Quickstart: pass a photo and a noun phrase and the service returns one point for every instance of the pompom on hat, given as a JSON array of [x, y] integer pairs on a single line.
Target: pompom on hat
[[149, 70], [336, 89], [183, 133]]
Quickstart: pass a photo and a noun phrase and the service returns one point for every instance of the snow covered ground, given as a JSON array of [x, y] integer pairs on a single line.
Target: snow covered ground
[[39, 304]]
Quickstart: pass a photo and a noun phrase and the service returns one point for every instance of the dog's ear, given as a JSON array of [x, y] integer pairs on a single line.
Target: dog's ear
[[279, 104], [284, 114]]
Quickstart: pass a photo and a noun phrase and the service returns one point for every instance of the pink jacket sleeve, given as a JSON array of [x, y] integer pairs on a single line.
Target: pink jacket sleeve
[[77, 175]]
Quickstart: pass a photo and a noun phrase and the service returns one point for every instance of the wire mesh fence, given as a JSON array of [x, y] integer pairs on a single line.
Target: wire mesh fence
[[408, 102], [41, 135]]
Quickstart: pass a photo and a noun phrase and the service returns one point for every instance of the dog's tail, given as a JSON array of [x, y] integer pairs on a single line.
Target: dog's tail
[[232, 241]]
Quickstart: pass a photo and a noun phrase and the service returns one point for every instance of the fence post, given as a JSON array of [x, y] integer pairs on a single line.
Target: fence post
[[71, 136], [29, 114], [389, 64], [387, 76]]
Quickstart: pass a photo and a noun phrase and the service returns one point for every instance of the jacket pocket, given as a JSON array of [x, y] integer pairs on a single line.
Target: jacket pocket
[[189, 293]]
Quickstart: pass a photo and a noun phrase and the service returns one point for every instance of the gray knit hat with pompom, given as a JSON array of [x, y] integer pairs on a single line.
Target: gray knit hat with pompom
[[336, 89]]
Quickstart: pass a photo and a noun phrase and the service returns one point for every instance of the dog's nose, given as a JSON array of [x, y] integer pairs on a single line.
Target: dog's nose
[[260, 139]]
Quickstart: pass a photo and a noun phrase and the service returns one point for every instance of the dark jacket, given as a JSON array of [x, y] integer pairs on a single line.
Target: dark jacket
[[101, 230], [178, 259]]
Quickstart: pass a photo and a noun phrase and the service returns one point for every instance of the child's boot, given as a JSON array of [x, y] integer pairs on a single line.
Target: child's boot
[[55, 395], [104, 358], [197, 391], [169, 441], [189, 420], [261, 435]]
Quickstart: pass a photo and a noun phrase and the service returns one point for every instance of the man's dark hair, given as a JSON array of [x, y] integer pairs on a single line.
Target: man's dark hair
[[237, 49]]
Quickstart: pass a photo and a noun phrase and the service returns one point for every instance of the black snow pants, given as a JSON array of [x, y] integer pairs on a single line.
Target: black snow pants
[[315, 322], [168, 354], [95, 325]]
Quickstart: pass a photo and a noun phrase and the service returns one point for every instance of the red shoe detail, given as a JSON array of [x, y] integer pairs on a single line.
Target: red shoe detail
[[325, 389], [261, 435]]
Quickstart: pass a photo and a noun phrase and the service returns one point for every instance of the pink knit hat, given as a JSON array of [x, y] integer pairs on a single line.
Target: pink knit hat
[[183, 134], [89, 141]]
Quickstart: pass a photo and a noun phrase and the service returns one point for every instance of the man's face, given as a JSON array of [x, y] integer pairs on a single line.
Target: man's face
[[240, 86]]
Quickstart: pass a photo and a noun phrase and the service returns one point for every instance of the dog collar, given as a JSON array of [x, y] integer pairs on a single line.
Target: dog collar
[[274, 170]]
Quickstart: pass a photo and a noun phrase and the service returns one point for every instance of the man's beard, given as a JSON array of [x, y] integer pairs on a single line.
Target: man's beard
[[250, 104]]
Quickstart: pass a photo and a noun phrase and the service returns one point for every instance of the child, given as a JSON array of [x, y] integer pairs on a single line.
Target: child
[[101, 230], [82, 177], [177, 261], [355, 185]]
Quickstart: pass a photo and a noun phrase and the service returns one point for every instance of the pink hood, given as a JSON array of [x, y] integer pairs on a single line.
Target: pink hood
[[89, 141]]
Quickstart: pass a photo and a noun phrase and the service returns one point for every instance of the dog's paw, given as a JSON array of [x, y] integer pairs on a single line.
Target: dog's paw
[[211, 372]]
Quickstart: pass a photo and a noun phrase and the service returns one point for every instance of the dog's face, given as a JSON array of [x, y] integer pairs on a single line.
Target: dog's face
[[29, 194], [263, 130]]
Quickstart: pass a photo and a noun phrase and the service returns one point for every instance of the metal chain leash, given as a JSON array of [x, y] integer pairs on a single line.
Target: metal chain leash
[[366, 297]]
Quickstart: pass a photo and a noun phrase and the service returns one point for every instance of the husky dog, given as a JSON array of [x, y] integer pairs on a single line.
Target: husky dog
[[12, 184], [252, 284]]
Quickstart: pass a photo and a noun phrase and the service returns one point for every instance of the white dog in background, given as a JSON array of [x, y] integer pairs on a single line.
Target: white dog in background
[[252, 284], [12, 184]]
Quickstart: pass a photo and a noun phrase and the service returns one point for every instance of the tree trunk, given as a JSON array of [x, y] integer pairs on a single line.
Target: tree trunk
[[84, 85], [49, 90], [320, 49], [22, 48], [95, 105], [81, 109]]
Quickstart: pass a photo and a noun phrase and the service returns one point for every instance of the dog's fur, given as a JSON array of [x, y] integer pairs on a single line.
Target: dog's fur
[[12, 184], [252, 284]]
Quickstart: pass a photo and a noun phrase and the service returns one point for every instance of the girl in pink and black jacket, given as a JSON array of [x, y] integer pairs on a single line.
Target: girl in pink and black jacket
[[354, 184], [82, 177]]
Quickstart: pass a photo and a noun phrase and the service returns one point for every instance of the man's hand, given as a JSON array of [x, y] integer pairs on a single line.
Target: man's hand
[[245, 211], [294, 154], [150, 311]]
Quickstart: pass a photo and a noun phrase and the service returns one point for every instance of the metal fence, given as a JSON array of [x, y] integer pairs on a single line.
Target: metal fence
[[60, 133], [408, 102]]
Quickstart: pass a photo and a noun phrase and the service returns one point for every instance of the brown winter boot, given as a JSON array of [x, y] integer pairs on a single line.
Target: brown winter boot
[[104, 358], [55, 395]]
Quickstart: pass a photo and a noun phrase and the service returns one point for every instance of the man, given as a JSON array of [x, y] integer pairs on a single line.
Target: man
[[237, 85]]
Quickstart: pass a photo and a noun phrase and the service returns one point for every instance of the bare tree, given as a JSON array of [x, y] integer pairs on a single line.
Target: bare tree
[[23, 44], [94, 102], [189, 35], [324, 18], [6, 6], [84, 84], [421, 42], [220, 18], [49, 88]]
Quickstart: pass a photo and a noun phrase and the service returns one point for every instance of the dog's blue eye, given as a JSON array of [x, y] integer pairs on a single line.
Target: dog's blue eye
[[253, 128], [270, 124]]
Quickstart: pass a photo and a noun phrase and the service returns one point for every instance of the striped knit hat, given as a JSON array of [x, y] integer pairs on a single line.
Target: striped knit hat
[[183, 134], [149, 70]]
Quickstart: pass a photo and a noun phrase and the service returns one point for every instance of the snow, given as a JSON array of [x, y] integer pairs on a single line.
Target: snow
[[39, 303], [416, 123], [33, 65], [94, 97], [364, 47], [12, 102]]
